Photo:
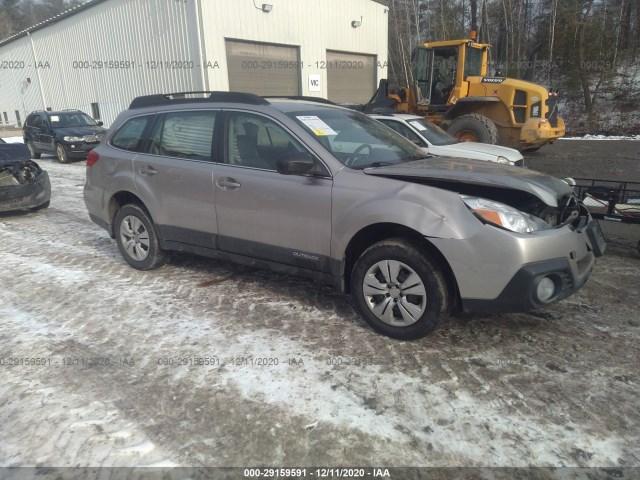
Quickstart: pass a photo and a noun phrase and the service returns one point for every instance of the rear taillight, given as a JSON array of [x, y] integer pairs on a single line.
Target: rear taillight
[[92, 158]]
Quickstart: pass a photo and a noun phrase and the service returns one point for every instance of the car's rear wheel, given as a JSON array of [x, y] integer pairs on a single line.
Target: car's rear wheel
[[32, 150], [399, 289], [61, 153], [137, 240]]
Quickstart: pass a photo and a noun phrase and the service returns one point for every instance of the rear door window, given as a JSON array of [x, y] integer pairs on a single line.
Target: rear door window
[[131, 135], [184, 135]]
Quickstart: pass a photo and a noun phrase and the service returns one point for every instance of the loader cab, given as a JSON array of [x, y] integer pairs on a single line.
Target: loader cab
[[440, 68]]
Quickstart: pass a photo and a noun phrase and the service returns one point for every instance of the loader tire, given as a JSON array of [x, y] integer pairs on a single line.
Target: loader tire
[[474, 128]]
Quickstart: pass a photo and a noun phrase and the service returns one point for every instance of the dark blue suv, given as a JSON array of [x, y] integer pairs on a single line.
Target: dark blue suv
[[68, 134]]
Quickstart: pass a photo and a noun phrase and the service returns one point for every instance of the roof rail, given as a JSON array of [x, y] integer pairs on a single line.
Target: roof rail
[[180, 97], [303, 97]]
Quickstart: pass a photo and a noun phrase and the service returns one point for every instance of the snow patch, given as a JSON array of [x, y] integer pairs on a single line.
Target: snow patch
[[604, 137], [13, 140]]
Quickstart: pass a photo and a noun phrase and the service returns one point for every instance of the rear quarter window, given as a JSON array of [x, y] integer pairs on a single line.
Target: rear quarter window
[[131, 135]]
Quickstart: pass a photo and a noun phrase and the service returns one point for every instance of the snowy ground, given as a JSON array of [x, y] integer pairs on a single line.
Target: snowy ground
[[604, 137], [125, 380]]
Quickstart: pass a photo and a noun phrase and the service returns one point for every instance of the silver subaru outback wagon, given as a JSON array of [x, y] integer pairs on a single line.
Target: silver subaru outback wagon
[[302, 186]]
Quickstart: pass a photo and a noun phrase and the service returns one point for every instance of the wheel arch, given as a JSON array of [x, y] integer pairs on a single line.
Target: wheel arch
[[372, 234], [120, 199]]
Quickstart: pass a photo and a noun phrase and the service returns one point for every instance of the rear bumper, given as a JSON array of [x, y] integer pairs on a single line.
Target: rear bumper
[[537, 132], [27, 196]]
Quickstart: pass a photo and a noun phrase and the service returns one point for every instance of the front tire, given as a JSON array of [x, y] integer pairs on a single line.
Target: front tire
[[61, 153], [399, 289], [474, 128], [136, 238]]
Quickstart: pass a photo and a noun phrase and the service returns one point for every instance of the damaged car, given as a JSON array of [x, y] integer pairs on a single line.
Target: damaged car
[[311, 189], [23, 184]]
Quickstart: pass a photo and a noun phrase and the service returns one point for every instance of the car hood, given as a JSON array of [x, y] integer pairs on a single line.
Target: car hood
[[477, 172], [12, 153], [477, 151], [80, 131]]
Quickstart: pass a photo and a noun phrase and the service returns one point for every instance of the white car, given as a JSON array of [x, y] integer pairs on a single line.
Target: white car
[[436, 141]]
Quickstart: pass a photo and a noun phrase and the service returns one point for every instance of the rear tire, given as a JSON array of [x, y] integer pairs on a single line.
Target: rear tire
[[32, 150], [399, 289], [136, 238], [474, 128]]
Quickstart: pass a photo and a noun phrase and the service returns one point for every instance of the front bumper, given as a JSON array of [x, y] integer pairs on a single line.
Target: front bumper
[[27, 196], [537, 132], [79, 149], [499, 271], [520, 293]]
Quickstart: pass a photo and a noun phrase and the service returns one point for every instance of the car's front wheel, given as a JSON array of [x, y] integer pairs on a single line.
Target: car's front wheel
[[137, 240], [399, 289], [61, 153]]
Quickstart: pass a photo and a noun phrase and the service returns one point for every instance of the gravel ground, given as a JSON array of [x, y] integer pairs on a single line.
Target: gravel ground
[[204, 363]]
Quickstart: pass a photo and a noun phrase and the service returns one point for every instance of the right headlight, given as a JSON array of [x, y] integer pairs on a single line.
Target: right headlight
[[504, 216], [504, 160]]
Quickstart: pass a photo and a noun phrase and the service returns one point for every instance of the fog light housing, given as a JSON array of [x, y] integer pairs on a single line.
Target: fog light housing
[[546, 289]]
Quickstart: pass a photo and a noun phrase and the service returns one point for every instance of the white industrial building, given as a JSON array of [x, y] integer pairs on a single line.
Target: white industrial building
[[101, 55]]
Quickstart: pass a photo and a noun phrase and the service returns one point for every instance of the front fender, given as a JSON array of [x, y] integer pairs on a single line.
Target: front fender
[[360, 200]]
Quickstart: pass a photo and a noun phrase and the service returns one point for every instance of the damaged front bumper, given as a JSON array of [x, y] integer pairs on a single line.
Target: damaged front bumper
[[23, 186], [501, 271]]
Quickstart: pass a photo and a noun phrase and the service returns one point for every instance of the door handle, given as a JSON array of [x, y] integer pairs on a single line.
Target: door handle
[[148, 170], [228, 183]]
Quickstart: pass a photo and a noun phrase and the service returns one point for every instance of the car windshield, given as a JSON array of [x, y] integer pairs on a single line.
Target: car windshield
[[71, 119], [432, 132], [356, 140]]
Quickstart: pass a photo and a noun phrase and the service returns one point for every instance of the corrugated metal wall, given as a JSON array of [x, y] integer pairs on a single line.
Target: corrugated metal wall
[[167, 43], [74, 56]]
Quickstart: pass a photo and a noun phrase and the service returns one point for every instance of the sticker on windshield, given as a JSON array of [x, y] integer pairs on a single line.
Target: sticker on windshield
[[55, 118], [418, 125], [317, 126]]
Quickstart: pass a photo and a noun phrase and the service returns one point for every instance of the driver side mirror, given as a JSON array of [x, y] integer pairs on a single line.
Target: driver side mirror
[[296, 164], [99, 122]]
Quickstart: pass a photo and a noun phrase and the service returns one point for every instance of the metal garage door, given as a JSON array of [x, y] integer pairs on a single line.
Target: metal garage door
[[351, 78], [262, 69]]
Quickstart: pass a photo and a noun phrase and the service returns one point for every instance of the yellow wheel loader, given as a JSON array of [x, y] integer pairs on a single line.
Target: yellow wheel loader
[[452, 89]]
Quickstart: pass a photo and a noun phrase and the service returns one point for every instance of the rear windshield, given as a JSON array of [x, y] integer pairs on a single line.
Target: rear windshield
[[432, 132], [356, 140]]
